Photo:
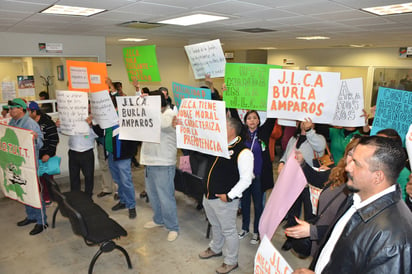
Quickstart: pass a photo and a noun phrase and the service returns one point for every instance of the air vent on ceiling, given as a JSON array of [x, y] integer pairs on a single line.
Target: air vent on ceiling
[[255, 30], [140, 25]]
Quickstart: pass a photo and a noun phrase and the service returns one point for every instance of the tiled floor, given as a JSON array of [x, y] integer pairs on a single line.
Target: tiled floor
[[58, 250]]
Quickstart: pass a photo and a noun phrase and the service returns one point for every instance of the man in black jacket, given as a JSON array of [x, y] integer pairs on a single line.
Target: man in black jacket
[[227, 180], [373, 233]]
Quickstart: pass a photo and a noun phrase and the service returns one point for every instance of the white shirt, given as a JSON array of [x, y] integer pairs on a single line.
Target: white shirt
[[164, 153], [81, 143], [245, 165], [327, 250]]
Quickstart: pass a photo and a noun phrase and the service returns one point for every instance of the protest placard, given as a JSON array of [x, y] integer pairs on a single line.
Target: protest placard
[[73, 110], [202, 127], [102, 109], [182, 91], [286, 122], [300, 94], [268, 260], [8, 90], [141, 63], [393, 110], [284, 194], [139, 118], [350, 104], [207, 58], [18, 173], [86, 76], [247, 85]]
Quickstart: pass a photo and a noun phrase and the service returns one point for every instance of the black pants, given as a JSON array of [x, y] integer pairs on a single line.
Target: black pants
[[295, 210], [83, 161]]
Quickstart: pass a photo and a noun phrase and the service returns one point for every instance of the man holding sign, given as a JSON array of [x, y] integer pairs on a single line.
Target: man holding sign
[[20, 118], [227, 180]]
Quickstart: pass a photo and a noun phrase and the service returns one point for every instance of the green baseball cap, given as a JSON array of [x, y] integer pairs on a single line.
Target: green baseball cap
[[17, 103]]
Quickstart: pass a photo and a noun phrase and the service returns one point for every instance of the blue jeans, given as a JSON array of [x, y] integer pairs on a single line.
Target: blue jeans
[[160, 188], [122, 175], [254, 191], [36, 213]]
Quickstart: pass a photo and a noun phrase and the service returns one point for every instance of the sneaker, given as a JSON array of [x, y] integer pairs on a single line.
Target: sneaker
[[116, 196], [243, 233], [172, 236], [208, 253], [132, 213], [226, 268], [151, 224], [255, 239], [119, 206]]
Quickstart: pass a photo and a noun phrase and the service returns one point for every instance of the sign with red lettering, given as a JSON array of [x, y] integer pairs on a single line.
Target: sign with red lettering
[[268, 260], [141, 63], [139, 118], [300, 94], [18, 169], [202, 127]]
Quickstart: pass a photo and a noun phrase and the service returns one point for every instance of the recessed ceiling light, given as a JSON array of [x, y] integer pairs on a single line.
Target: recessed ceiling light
[[390, 9], [132, 40], [193, 19], [358, 46], [313, 38], [71, 10], [268, 48]]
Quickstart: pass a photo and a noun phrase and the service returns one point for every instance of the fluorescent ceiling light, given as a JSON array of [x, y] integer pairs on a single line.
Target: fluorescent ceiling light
[[193, 19], [313, 38], [71, 10], [358, 46], [390, 9], [132, 40], [268, 48]]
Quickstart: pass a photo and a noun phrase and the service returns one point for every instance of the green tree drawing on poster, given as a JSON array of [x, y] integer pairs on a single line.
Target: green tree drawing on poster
[[10, 164]]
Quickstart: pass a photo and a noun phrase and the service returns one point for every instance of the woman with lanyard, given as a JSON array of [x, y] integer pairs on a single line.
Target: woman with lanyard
[[254, 134]]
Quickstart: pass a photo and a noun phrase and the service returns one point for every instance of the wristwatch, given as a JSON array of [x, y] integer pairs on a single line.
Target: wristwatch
[[228, 199]]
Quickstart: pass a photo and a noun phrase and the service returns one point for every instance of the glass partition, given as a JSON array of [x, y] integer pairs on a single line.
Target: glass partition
[[27, 77], [396, 78]]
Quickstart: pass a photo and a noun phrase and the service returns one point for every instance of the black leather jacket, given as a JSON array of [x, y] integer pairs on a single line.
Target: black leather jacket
[[377, 239]]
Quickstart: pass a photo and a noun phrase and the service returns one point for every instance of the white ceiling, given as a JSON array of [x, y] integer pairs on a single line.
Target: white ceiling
[[341, 20]]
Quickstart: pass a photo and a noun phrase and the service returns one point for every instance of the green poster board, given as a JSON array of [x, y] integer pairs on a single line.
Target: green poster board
[[247, 85], [141, 63]]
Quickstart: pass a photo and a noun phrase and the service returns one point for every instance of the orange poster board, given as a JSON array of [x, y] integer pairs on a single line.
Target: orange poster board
[[86, 76]]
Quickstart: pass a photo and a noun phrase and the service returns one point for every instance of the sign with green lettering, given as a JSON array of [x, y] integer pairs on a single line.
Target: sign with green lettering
[[247, 85], [141, 63]]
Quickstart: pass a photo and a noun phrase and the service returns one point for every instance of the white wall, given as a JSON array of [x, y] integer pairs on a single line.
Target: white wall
[[387, 57], [27, 44]]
